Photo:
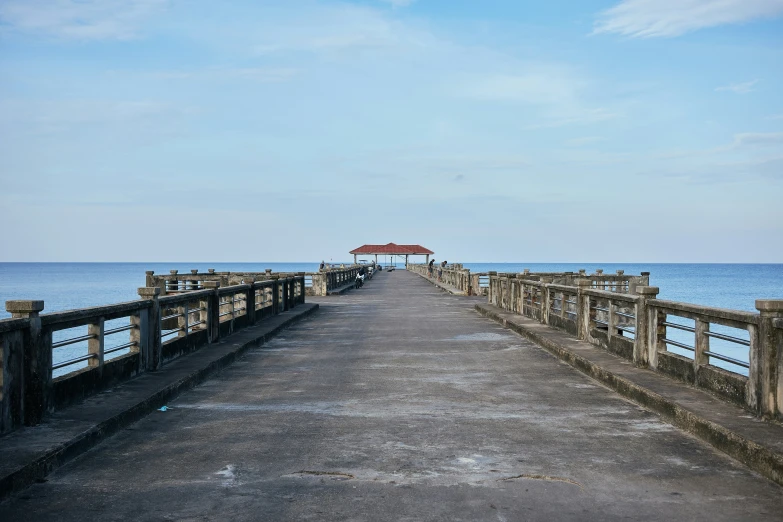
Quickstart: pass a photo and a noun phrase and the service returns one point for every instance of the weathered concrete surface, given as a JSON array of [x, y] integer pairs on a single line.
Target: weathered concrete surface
[[398, 402], [29, 454], [756, 443]]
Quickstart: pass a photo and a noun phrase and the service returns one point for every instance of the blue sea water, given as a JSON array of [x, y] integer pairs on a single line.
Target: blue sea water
[[65, 286]]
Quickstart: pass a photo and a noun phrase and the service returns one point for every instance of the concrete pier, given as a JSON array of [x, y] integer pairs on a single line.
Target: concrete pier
[[399, 402]]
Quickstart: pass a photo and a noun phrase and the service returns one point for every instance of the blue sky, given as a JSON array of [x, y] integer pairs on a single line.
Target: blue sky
[[559, 131]]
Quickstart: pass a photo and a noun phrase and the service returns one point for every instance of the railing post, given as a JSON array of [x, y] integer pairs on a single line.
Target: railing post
[[778, 324], [231, 301], [642, 345], [182, 320], [149, 335], [175, 279], [611, 319], [95, 344], [319, 283], [11, 380], [37, 361], [139, 334], [657, 332], [582, 308], [301, 286], [212, 314], [276, 295], [250, 302], [701, 345], [769, 363], [203, 314], [546, 299], [194, 281]]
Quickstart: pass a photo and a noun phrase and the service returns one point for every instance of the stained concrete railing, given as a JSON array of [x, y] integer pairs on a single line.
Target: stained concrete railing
[[331, 280], [453, 275], [479, 283], [322, 282], [151, 332], [639, 327], [618, 283]]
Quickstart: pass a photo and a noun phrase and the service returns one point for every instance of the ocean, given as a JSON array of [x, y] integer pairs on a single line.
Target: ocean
[[65, 286]]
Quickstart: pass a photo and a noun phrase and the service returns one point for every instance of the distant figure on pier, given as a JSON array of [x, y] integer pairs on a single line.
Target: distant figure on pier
[[440, 270], [323, 264], [429, 269]]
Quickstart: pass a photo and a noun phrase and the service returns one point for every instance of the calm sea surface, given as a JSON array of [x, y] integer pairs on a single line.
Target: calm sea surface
[[65, 286]]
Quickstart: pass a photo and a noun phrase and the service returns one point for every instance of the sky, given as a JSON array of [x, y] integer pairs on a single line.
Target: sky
[[298, 130]]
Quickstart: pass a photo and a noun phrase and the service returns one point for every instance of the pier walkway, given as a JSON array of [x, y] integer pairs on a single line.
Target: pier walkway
[[400, 402]]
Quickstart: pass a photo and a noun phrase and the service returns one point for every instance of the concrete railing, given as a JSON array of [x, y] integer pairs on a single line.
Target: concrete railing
[[316, 283], [116, 342], [479, 283], [639, 327], [330, 280], [453, 275], [619, 282]]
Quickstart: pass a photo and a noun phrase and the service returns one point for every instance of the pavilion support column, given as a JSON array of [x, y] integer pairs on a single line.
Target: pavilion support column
[[428, 260], [355, 259]]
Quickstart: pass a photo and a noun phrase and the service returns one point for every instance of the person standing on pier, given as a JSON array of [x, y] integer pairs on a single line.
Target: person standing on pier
[[429, 269]]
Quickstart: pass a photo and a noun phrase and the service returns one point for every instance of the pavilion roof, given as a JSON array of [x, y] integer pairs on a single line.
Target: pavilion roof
[[392, 248]]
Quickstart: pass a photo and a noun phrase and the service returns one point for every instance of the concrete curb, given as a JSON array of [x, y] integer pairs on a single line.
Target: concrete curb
[[761, 459], [342, 289], [52, 458]]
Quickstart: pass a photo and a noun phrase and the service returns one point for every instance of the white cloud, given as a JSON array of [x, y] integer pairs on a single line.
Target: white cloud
[[398, 3], [255, 74], [341, 28], [757, 139], [776, 116], [739, 88], [667, 18], [80, 19], [67, 116], [741, 143], [557, 93]]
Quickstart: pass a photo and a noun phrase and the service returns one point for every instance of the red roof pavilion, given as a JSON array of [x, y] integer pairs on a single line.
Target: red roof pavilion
[[392, 249]]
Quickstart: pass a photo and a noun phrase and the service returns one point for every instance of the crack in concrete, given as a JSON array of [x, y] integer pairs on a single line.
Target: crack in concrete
[[327, 473], [543, 477]]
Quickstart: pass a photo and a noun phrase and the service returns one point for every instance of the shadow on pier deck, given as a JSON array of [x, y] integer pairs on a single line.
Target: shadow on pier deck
[[398, 401]]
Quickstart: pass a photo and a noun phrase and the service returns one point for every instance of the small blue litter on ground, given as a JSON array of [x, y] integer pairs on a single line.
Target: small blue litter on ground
[[164, 408]]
